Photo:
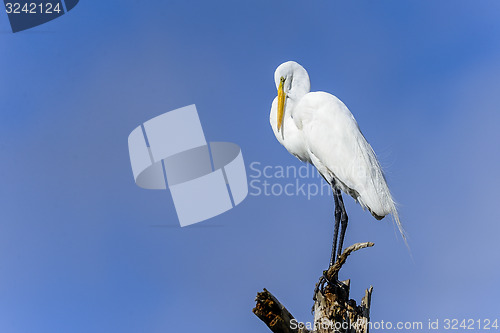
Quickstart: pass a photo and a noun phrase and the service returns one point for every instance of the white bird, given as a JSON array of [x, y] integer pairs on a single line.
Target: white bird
[[318, 128]]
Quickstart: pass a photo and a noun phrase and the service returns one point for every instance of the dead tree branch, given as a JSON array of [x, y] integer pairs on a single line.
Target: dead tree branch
[[333, 271], [333, 310], [274, 314]]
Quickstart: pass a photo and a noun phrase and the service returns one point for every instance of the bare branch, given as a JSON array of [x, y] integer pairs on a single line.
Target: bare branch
[[333, 310], [274, 314], [333, 271]]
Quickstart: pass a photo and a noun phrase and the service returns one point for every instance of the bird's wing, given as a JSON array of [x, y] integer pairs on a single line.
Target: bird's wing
[[338, 149]]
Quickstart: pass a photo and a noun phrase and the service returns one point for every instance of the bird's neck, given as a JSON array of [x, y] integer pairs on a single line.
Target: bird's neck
[[292, 100]]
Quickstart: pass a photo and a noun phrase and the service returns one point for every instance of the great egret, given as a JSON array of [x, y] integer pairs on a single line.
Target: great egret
[[318, 128]]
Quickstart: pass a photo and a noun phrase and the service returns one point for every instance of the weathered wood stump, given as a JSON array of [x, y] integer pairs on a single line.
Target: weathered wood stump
[[333, 310]]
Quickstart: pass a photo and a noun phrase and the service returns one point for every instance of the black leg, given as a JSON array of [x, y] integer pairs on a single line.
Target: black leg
[[340, 219], [343, 221], [338, 214]]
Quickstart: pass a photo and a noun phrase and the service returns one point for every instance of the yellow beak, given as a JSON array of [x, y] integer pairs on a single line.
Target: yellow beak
[[281, 104]]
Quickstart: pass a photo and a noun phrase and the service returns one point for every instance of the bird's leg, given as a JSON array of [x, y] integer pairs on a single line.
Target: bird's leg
[[338, 213], [343, 221]]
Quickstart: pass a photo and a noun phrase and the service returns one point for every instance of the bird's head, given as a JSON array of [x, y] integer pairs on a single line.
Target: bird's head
[[292, 82]]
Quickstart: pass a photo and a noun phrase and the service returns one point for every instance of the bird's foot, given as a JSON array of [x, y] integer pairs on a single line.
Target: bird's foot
[[324, 281]]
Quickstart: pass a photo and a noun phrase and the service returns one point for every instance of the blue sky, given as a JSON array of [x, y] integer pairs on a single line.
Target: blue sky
[[83, 249]]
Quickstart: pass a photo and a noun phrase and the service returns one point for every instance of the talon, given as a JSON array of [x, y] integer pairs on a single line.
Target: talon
[[326, 277], [324, 280]]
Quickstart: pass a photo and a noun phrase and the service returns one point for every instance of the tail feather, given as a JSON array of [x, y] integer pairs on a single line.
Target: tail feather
[[395, 217], [379, 196]]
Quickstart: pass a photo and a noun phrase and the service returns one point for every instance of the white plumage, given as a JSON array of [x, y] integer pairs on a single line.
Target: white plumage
[[318, 128]]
